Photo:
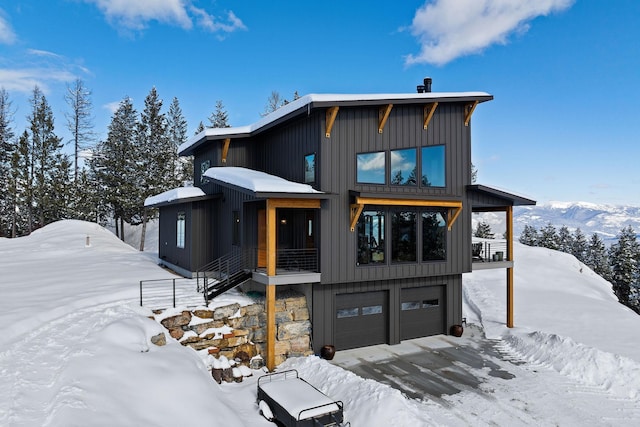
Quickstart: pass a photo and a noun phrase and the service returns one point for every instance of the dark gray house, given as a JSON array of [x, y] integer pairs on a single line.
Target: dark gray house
[[362, 202]]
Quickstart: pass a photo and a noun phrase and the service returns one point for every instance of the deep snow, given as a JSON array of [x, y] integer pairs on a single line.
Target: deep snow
[[75, 347]]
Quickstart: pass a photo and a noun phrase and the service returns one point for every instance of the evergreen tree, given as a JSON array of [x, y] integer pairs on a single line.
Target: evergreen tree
[[529, 236], [116, 165], [200, 128], [624, 256], [548, 237], [565, 240], [177, 129], [483, 230], [596, 257], [20, 189], [579, 247], [45, 149], [7, 148], [219, 118], [79, 119]]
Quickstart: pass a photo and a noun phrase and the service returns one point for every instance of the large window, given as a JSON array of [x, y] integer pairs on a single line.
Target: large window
[[371, 168], [433, 166], [403, 237], [180, 229], [403, 167], [371, 238], [434, 236]]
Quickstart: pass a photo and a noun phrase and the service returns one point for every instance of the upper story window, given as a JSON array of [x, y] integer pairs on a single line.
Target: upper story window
[[433, 166], [371, 168], [403, 167]]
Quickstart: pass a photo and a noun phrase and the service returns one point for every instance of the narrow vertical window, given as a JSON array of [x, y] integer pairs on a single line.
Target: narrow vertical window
[[371, 238], [403, 237], [310, 168], [433, 166], [236, 228], [203, 168], [180, 230], [434, 236]]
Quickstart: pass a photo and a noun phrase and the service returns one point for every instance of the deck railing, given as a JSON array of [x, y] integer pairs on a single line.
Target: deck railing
[[490, 251]]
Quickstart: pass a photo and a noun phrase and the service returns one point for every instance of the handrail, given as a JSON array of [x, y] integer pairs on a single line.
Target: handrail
[[173, 287]]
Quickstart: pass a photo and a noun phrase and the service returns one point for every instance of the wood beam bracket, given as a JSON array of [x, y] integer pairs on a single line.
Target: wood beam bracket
[[356, 210], [454, 208], [225, 150], [330, 119], [383, 115], [468, 111], [429, 110]]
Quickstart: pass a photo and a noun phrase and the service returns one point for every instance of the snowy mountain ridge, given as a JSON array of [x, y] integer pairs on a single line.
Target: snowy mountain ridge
[[603, 219]]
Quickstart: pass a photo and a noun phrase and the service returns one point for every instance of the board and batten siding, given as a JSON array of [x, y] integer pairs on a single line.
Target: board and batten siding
[[356, 131]]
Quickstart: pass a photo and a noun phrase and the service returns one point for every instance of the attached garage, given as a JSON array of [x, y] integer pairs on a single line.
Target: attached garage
[[422, 312], [361, 319]]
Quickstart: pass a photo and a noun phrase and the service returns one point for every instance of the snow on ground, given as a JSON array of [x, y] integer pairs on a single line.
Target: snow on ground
[[75, 349]]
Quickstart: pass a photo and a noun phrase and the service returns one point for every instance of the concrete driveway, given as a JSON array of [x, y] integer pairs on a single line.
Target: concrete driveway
[[431, 367]]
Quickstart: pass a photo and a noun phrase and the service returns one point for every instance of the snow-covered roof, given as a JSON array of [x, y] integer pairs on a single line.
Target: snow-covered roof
[[309, 101], [173, 195], [256, 181]]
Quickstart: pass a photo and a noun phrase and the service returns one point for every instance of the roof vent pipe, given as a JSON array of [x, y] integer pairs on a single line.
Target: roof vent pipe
[[427, 84]]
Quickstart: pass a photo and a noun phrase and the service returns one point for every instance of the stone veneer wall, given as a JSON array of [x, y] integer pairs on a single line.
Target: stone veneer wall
[[236, 331]]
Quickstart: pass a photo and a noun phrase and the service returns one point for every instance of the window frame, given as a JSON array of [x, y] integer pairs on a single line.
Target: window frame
[[181, 223], [383, 153]]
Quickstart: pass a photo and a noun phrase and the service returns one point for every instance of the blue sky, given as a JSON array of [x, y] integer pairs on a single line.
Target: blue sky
[[564, 73]]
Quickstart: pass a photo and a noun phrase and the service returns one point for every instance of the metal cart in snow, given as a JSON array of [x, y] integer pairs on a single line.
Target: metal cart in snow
[[293, 402]]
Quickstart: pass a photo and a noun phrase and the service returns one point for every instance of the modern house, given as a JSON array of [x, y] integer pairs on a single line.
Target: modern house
[[361, 202]]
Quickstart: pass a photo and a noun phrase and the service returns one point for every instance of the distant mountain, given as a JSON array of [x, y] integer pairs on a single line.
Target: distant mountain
[[606, 220]]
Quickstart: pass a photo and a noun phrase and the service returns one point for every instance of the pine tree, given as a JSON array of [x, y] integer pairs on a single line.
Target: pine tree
[[529, 236], [79, 119], [45, 149], [624, 256], [7, 148], [200, 128], [565, 240], [549, 237], [219, 118], [116, 164], [579, 247], [20, 189], [596, 257], [483, 230], [177, 130]]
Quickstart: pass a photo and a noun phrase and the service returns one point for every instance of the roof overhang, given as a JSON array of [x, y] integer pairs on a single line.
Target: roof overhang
[[503, 198], [304, 105], [184, 200]]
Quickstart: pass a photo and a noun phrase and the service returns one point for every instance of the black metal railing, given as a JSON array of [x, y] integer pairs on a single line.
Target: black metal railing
[[160, 291], [225, 272], [293, 260], [490, 251]]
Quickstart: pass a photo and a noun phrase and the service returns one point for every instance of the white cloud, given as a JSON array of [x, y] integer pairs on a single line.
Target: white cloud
[[7, 36], [448, 29], [42, 69], [136, 15]]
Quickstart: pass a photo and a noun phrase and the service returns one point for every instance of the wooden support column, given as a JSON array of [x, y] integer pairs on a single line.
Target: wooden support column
[[510, 269], [270, 303]]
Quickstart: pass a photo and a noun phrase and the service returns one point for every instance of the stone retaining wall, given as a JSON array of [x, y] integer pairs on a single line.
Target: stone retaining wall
[[239, 332]]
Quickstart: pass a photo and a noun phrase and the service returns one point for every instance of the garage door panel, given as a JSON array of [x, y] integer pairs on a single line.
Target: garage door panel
[[361, 319], [422, 312]]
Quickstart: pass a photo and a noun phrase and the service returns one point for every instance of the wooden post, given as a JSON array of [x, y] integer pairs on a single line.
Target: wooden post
[[271, 289], [510, 269], [271, 327]]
